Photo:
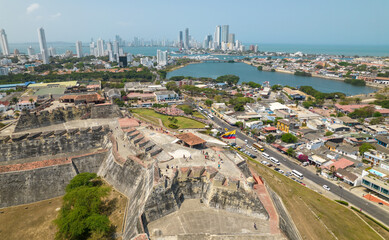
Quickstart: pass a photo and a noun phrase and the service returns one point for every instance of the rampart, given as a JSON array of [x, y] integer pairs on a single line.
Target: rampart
[[33, 120], [40, 180], [20, 146]]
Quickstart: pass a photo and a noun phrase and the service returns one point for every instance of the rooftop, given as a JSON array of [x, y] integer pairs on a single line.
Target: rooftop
[[191, 139]]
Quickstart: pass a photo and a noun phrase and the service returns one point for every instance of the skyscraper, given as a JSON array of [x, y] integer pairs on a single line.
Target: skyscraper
[[116, 47], [231, 38], [187, 38], [218, 36], [180, 41], [79, 49], [224, 33], [4, 42], [100, 47], [92, 48], [43, 46], [30, 51], [161, 57], [52, 52]]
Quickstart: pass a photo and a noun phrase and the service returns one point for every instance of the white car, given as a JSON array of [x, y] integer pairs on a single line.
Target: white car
[[281, 171], [326, 187], [264, 162]]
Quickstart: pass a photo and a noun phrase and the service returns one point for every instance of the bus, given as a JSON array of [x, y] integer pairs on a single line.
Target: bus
[[297, 174], [275, 161], [259, 147]]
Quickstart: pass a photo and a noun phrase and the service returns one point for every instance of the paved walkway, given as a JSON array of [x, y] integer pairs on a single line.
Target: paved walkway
[[375, 199]]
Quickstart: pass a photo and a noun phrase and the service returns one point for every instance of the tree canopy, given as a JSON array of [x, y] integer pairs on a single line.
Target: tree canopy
[[289, 138], [365, 147], [229, 79], [81, 214]]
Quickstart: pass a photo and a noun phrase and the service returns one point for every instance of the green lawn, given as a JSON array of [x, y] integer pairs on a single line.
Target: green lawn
[[152, 116], [315, 216], [197, 114]]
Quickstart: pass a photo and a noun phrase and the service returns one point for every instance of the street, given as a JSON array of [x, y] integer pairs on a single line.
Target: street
[[360, 203]]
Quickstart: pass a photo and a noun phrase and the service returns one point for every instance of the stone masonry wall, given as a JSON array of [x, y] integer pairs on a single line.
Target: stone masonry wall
[[51, 145]]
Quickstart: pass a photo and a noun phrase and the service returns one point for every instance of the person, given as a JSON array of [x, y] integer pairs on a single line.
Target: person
[[255, 226]]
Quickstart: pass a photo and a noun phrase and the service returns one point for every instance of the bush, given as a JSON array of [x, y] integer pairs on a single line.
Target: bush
[[329, 133], [342, 202], [289, 138], [173, 126], [81, 213]]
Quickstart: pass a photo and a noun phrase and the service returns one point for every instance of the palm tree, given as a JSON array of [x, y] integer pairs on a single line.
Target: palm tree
[[31, 100], [358, 100]]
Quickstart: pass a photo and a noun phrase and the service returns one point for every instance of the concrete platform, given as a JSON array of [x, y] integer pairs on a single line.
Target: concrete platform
[[195, 220]]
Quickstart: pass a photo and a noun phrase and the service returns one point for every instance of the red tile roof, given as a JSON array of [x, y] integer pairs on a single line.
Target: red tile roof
[[190, 139]]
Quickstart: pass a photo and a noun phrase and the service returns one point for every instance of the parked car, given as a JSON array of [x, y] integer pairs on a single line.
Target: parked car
[[281, 171], [264, 163], [326, 187]]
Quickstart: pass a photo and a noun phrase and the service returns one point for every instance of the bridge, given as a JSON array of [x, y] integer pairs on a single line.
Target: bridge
[[215, 60]]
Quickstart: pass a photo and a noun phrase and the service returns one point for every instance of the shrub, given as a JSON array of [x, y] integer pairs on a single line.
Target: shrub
[[342, 202], [173, 126]]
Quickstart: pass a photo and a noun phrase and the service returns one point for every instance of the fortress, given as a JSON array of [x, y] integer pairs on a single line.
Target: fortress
[[46, 150]]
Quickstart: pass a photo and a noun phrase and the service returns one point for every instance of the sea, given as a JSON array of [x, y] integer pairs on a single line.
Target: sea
[[346, 50]]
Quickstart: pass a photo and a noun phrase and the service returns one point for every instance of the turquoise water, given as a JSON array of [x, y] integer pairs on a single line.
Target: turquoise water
[[377, 173], [249, 73], [347, 50]]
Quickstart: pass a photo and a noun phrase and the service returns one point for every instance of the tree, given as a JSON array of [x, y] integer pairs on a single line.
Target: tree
[[239, 124], [239, 107], [229, 79], [290, 152], [365, 147], [15, 100], [358, 100], [81, 214], [289, 138], [259, 68], [270, 138], [172, 86], [208, 102], [377, 114]]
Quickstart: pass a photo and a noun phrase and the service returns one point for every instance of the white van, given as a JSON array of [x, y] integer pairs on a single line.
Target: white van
[[275, 161], [265, 155]]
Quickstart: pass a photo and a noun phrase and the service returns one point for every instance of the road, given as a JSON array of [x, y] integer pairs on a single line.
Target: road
[[360, 203]]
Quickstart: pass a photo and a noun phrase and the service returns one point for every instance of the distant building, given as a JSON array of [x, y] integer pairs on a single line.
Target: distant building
[[163, 96], [186, 43], [79, 49], [30, 51], [161, 58], [3, 71], [180, 40], [224, 33], [4, 42], [218, 36], [123, 61], [43, 46], [21, 105], [100, 48], [52, 52]]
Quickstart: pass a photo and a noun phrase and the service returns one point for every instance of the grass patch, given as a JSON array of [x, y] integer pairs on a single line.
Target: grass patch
[[36, 222], [380, 228], [152, 116], [315, 216], [198, 115]]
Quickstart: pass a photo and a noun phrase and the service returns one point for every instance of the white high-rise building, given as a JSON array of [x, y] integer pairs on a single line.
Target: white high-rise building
[[79, 49], [43, 46], [52, 52], [218, 36], [4, 42], [186, 43], [92, 48], [100, 47], [30, 51], [256, 48], [224, 35], [116, 47], [161, 58], [129, 58]]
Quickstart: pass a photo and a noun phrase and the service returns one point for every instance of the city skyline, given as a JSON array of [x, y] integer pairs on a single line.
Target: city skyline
[[254, 21]]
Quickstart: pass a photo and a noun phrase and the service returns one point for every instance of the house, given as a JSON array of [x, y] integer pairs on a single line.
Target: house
[[316, 159], [349, 108], [163, 96], [347, 177], [382, 140], [376, 180], [285, 125], [331, 145], [114, 94], [141, 96], [338, 128], [4, 106], [83, 98], [348, 150], [374, 156], [312, 145], [25, 104], [348, 121], [341, 163]]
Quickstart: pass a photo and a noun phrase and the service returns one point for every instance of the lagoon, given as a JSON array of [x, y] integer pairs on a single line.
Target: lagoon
[[249, 73]]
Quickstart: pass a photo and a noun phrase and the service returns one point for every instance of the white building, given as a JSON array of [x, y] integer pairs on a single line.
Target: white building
[[92, 49], [30, 51], [52, 52], [43, 46], [79, 49], [161, 58], [163, 96], [4, 42], [100, 47], [25, 105]]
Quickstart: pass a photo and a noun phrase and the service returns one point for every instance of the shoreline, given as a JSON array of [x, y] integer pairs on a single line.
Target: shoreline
[[181, 66]]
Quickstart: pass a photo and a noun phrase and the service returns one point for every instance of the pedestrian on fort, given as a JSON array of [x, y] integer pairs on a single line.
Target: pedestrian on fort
[[255, 226]]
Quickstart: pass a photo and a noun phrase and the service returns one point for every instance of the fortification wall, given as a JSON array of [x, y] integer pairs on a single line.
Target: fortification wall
[[286, 223], [29, 120], [135, 182], [51, 144], [34, 185], [36, 181]]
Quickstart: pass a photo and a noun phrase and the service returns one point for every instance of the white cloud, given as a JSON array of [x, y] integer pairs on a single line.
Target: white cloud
[[32, 7], [56, 15]]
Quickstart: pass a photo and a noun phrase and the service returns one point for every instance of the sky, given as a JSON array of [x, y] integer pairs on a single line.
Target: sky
[[333, 22]]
